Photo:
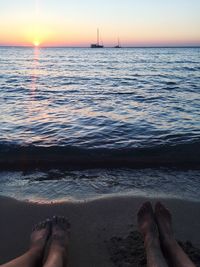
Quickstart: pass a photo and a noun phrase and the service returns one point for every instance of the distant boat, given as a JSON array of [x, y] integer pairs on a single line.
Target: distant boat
[[118, 45], [97, 45]]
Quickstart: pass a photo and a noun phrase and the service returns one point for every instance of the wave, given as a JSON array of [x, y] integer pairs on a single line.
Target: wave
[[16, 157]]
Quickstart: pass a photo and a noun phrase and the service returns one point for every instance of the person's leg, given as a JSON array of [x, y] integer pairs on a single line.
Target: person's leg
[[58, 251], [33, 257], [148, 229], [174, 253]]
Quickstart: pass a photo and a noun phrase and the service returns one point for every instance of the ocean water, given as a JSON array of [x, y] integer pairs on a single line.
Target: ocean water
[[85, 108], [81, 185]]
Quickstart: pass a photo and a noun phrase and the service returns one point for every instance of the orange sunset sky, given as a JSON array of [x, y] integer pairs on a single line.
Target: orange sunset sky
[[74, 22]]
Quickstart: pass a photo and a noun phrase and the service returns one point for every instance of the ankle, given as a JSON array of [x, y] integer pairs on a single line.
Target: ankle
[[169, 243], [151, 241], [36, 253], [58, 249], [60, 252]]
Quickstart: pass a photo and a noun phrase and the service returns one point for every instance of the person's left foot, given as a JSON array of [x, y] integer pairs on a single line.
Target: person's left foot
[[40, 234], [147, 224]]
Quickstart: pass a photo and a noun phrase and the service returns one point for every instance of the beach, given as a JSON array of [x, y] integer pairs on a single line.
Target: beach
[[98, 227], [94, 134]]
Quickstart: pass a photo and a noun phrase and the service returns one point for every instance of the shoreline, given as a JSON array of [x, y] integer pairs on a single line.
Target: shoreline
[[93, 224], [94, 198], [57, 185]]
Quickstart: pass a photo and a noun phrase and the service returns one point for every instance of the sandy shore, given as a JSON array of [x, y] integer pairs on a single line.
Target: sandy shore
[[97, 227]]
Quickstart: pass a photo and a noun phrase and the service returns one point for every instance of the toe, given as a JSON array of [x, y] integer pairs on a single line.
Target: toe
[[38, 226], [146, 207], [41, 225], [158, 206], [33, 228], [161, 210], [54, 220], [61, 221]]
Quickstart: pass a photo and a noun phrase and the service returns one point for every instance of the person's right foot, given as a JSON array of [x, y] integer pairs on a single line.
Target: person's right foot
[[164, 222], [60, 232], [147, 224], [58, 249]]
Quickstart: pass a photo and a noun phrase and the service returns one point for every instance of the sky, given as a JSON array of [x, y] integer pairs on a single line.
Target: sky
[[75, 22]]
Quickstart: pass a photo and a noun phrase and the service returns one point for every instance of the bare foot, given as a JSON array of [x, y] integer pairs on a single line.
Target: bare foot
[[147, 224], [173, 252], [40, 234], [60, 232], [164, 222], [58, 250]]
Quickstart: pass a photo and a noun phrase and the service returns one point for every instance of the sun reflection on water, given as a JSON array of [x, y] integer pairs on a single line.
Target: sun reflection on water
[[34, 74]]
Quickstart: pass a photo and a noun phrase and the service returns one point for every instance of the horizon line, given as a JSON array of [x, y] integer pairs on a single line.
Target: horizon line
[[107, 47]]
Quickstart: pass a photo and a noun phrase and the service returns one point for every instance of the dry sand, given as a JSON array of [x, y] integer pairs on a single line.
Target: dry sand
[[102, 231]]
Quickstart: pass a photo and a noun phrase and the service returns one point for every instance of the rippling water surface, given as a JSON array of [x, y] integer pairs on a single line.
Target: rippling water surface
[[106, 98], [115, 104]]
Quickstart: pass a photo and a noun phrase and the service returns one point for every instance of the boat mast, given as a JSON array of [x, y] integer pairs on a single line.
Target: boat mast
[[98, 36]]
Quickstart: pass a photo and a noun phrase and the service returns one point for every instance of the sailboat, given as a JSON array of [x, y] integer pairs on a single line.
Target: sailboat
[[118, 45], [97, 45]]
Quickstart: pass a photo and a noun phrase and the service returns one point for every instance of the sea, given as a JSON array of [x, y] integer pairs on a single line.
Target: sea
[[81, 123]]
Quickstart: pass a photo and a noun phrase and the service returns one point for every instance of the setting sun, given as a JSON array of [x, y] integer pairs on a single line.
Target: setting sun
[[36, 43]]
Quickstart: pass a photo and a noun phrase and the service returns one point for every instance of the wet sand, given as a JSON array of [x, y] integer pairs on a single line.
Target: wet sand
[[103, 231]]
